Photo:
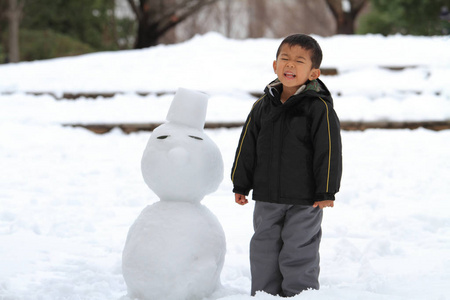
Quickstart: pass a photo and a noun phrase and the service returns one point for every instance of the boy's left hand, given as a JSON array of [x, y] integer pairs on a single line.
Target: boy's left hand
[[323, 204]]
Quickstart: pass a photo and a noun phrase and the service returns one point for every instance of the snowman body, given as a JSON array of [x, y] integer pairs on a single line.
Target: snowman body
[[175, 249], [186, 267]]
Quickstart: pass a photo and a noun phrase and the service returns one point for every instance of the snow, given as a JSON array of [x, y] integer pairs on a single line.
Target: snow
[[68, 196]]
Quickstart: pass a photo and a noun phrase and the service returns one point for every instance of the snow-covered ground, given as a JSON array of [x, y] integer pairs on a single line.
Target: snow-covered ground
[[68, 196]]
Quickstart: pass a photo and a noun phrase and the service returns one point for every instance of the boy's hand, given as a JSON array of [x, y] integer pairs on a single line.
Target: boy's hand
[[240, 199], [323, 204]]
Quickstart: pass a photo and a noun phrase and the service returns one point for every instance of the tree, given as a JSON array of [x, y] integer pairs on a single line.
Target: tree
[[156, 17], [257, 16], [89, 21], [14, 14], [416, 17], [240, 19], [3, 25], [345, 13], [306, 16]]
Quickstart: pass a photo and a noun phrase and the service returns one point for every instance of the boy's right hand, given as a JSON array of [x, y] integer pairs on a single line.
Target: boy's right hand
[[240, 199]]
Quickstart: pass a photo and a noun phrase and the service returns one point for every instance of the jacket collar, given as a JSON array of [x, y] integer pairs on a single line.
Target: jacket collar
[[276, 85]]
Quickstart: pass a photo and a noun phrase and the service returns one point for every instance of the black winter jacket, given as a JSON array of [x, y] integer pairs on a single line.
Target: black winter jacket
[[290, 153]]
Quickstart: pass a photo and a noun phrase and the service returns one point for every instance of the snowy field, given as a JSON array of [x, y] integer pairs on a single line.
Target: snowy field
[[68, 196]]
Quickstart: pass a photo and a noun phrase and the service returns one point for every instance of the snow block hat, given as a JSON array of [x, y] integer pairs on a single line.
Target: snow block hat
[[188, 108]]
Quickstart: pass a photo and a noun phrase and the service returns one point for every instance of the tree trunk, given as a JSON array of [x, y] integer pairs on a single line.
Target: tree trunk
[[156, 17], [257, 18], [147, 35], [345, 24], [228, 18], [14, 14], [345, 16]]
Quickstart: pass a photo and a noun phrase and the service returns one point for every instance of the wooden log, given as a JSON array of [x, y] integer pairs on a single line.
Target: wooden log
[[328, 71], [361, 126], [398, 68], [345, 125]]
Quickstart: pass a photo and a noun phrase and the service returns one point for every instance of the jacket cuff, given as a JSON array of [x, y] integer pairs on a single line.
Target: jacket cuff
[[324, 196], [241, 190]]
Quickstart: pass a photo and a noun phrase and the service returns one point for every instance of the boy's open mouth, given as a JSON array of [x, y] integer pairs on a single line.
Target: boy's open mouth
[[289, 75]]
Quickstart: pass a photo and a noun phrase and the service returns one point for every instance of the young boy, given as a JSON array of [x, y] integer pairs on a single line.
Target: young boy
[[289, 153]]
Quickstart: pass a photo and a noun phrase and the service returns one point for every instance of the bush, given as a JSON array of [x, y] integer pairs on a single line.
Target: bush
[[45, 44], [88, 21], [416, 17], [2, 55]]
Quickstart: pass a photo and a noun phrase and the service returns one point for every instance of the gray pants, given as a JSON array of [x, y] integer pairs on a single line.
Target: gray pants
[[284, 250]]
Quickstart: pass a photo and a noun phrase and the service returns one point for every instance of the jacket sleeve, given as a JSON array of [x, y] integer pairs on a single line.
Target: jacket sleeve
[[327, 158], [245, 157]]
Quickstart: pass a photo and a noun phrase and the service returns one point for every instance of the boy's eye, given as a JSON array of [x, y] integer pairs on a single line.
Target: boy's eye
[[196, 137], [162, 137]]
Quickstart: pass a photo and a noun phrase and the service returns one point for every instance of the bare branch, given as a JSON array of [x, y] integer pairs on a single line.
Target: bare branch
[[135, 9], [357, 5], [179, 13], [157, 17], [335, 7]]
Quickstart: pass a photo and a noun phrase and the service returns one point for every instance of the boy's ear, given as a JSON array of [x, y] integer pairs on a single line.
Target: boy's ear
[[275, 66], [314, 74]]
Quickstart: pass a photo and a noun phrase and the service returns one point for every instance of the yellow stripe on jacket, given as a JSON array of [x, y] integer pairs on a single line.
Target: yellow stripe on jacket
[[243, 138], [329, 144]]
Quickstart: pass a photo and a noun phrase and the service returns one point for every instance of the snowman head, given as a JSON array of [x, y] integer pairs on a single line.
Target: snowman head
[[180, 162]]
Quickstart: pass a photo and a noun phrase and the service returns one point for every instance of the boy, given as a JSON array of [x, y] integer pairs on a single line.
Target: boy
[[289, 153]]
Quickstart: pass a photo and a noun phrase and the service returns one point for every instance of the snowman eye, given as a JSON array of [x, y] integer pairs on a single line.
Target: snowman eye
[[162, 137], [196, 137]]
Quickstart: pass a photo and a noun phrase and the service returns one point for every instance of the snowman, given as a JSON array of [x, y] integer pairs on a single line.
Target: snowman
[[175, 249]]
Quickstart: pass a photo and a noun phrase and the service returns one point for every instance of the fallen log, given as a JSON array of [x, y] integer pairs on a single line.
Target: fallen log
[[101, 128], [361, 126]]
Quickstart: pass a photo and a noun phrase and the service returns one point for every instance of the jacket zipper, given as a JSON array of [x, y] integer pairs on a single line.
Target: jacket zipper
[[281, 142]]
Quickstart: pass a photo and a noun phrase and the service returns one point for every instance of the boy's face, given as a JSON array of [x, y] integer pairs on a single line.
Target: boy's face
[[294, 67]]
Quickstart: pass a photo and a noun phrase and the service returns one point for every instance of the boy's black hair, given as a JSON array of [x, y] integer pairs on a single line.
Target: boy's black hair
[[307, 43]]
